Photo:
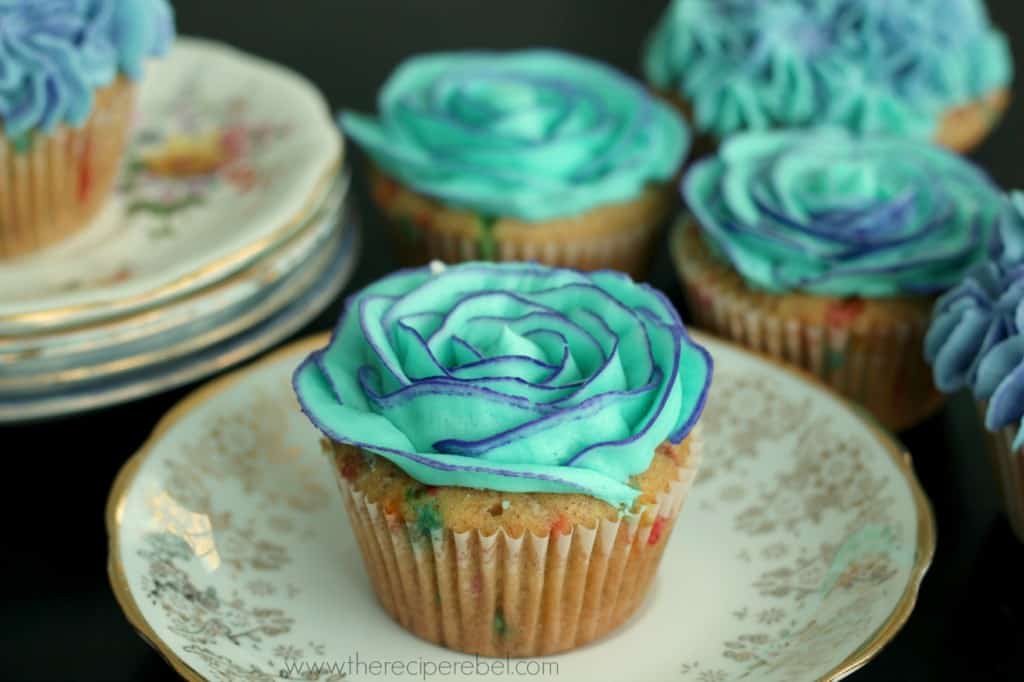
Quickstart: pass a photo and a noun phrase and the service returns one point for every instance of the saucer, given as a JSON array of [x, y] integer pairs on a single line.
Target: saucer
[[798, 555], [231, 156], [80, 353], [282, 311]]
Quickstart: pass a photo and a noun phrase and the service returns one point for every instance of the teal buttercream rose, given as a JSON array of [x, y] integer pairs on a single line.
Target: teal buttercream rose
[[825, 212], [887, 66], [511, 377], [534, 135]]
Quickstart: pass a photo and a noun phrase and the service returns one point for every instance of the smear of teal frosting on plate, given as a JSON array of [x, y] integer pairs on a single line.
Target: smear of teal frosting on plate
[[829, 213], [889, 66], [535, 135], [512, 377]]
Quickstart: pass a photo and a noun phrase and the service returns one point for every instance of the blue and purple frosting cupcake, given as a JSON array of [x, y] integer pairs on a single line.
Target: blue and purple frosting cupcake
[[535, 155], [930, 69], [976, 342], [827, 249], [67, 74], [537, 426]]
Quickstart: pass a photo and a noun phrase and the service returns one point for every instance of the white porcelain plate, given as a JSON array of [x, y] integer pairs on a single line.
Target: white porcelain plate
[[797, 557], [274, 318], [230, 156]]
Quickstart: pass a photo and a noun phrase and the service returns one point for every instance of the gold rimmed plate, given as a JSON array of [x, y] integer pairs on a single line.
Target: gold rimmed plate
[[798, 556], [47, 358], [284, 310], [231, 157]]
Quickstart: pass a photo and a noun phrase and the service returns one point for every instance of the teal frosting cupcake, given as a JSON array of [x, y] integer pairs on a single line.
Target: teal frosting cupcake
[[867, 65], [534, 135], [976, 343], [827, 213], [509, 377]]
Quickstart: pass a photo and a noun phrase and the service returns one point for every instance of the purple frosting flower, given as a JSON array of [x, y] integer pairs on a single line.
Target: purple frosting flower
[[976, 339], [54, 54], [510, 377]]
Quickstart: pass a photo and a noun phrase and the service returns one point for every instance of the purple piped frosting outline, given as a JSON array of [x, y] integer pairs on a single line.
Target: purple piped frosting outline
[[548, 414]]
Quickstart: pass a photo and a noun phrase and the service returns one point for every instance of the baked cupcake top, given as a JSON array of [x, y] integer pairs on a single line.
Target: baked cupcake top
[[512, 377], [976, 339], [823, 212], [54, 54], [533, 135], [888, 66]]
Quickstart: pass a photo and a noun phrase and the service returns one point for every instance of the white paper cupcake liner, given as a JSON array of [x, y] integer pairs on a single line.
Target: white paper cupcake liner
[[499, 595]]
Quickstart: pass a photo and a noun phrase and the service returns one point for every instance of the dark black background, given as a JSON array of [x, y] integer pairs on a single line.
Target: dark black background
[[59, 618]]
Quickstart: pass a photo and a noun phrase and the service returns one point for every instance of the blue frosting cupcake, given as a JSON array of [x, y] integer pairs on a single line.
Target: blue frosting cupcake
[[67, 69], [976, 342], [928, 69]]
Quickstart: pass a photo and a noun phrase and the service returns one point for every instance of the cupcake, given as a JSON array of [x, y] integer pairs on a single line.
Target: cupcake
[[67, 75], [930, 69], [535, 155], [826, 250], [513, 444], [976, 341]]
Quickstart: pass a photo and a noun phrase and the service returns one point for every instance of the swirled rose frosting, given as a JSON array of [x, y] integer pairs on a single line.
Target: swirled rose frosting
[[511, 377], [533, 135], [54, 54], [824, 212], [976, 339], [887, 66]]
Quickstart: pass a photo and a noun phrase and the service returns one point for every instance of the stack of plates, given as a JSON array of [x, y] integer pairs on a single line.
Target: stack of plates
[[231, 229]]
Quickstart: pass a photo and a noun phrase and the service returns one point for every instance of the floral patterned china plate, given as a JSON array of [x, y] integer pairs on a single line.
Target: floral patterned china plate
[[282, 311], [231, 155], [40, 359], [797, 557]]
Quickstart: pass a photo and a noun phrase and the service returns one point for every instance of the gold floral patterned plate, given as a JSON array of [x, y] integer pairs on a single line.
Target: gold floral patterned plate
[[797, 557], [231, 156]]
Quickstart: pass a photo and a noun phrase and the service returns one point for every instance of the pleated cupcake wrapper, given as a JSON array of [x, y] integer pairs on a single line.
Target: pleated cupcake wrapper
[[499, 595], [627, 249], [52, 184], [882, 369], [1008, 466]]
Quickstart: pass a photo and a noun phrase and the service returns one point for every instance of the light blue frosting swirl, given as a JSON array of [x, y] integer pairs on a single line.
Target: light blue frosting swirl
[[536, 134], [888, 66], [976, 339], [54, 54], [829, 213]]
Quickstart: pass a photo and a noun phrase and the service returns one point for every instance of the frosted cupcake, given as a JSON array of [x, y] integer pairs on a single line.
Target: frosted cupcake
[[535, 155], [827, 250], [67, 74], [513, 444], [930, 69], [976, 341]]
